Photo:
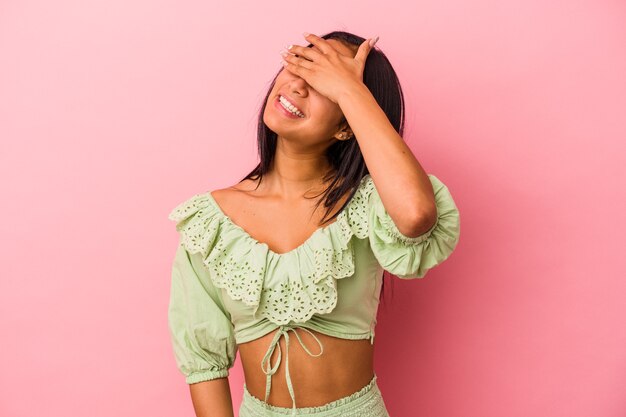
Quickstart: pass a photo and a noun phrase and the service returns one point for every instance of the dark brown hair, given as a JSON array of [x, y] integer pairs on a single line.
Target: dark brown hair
[[344, 155]]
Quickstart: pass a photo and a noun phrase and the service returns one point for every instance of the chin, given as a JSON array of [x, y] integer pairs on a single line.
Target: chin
[[275, 122]]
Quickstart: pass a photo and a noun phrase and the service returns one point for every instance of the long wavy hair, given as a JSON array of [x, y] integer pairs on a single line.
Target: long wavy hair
[[344, 156]]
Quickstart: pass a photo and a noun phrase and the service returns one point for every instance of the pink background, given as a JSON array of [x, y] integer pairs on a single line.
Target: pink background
[[112, 112]]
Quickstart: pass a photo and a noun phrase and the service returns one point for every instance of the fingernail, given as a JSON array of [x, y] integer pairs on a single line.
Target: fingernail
[[373, 41], [305, 34]]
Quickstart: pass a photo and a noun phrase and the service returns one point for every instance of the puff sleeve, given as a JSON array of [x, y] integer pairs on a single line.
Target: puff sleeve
[[201, 331], [411, 257]]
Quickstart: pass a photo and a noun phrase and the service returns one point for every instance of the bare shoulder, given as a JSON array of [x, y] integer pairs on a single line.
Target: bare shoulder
[[243, 187], [237, 195]]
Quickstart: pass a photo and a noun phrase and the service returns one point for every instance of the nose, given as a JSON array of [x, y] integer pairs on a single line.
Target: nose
[[299, 86]]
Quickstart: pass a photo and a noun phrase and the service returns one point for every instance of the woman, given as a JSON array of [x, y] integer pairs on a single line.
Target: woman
[[263, 271]]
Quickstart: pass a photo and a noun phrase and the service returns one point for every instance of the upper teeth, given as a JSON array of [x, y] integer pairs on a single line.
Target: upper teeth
[[286, 104]]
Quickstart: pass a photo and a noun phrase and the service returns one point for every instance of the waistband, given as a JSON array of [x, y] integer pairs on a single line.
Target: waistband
[[364, 399], [271, 370]]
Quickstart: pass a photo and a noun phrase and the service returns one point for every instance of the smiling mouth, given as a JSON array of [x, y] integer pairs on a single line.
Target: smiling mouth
[[290, 107]]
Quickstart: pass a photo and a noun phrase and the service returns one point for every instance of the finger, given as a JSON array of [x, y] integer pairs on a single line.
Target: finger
[[321, 43], [296, 68], [363, 51], [308, 53], [297, 60]]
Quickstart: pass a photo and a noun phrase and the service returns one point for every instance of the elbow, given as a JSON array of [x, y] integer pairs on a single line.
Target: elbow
[[422, 223]]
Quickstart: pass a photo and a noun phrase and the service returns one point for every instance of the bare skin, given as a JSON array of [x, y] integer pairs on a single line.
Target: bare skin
[[346, 365], [278, 214], [344, 368]]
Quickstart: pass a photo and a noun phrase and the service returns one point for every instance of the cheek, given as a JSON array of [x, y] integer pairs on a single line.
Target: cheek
[[325, 112]]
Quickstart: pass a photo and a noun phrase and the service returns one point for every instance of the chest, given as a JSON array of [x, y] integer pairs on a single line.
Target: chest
[[283, 225]]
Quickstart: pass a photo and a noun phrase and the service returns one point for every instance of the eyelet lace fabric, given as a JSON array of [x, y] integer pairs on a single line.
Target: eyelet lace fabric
[[304, 280], [238, 263], [412, 257]]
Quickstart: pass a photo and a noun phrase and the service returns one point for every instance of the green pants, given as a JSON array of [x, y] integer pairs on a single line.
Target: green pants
[[367, 402]]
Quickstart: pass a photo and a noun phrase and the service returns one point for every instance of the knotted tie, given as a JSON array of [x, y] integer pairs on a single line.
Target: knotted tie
[[266, 363]]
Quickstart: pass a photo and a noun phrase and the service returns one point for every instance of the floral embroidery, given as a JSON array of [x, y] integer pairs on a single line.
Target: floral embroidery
[[238, 263], [285, 290]]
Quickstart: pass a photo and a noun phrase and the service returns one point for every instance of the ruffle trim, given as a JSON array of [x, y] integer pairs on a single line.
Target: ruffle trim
[[319, 408], [238, 263], [412, 257], [303, 281]]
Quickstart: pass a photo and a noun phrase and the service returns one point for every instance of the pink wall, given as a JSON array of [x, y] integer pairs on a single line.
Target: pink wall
[[112, 112]]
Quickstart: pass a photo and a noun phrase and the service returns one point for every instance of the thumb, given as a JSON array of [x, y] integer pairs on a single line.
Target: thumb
[[364, 49]]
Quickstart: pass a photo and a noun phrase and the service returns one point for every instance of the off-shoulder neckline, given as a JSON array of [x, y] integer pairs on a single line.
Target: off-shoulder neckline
[[298, 248]]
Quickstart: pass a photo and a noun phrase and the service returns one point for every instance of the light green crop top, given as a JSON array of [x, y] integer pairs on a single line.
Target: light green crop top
[[228, 288]]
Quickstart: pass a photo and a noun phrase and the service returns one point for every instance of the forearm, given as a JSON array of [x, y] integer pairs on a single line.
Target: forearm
[[212, 398], [403, 185]]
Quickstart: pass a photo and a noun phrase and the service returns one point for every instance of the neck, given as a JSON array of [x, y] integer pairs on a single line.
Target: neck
[[294, 173]]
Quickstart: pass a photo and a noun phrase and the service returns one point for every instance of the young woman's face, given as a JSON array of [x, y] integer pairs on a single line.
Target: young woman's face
[[319, 118]]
